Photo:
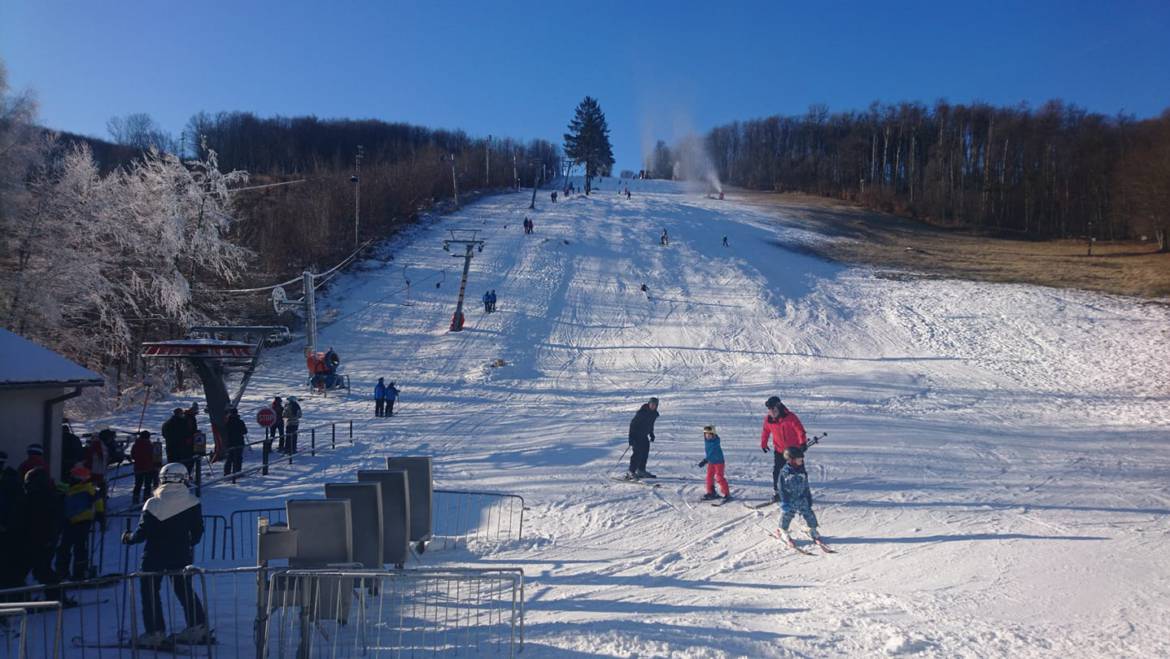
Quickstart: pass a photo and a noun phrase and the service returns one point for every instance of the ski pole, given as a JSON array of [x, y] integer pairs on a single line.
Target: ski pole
[[621, 459], [145, 398]]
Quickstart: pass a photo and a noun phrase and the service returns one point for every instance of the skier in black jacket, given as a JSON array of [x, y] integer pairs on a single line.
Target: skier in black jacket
[[171, 526], [234, 432], [176, 432], [641, 434]]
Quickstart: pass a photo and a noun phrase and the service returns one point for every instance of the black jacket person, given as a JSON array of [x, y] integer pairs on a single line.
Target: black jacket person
[[641, 434]]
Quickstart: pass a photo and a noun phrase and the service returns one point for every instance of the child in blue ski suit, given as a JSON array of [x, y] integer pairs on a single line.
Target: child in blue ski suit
[[795, 495], [714, 463]]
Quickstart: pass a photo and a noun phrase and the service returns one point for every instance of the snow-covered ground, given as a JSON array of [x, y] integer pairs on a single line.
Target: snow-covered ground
[[996, 478]]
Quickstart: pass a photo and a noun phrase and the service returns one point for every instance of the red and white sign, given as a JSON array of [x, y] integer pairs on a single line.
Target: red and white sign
[[266, 416]]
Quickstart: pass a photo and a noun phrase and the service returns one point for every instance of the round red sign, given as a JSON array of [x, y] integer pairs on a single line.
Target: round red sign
[[266, 416]]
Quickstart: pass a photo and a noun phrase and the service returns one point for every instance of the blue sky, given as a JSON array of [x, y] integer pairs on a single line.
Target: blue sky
[[519, 68]]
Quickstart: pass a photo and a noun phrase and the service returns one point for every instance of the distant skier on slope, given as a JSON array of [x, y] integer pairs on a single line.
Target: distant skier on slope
[[641, 434], [714, 463], [795, 496], [786, 431], [664, 239]]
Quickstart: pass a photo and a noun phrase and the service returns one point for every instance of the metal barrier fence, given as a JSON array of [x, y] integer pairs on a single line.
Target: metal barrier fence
[[104, 618], [15, 631], [321, 613], [242, 529], [107, 554], [243, 612], [462, 516]]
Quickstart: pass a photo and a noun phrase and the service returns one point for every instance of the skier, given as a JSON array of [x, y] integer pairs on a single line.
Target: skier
[[786, 431], [380, 398], [177, 434], [13, 528], [72, 450], [627, 194], [554, 196], [171, 525], [36, 458], [795, 496], [641, 434], [725, 241], [45, 512], [277, 427], [292, 422], [487, 301], [145, 475], [714, 463], [96, 462], [234, 432], [493, 300], [664, 239], [194, 437], [391, 396], [83, 506]]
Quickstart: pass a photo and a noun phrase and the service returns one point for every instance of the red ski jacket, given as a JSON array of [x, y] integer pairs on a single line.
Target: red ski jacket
[[143, 455], [786, 432]]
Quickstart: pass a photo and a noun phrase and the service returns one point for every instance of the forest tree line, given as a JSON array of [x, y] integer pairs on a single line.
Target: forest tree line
[[1056, 171]]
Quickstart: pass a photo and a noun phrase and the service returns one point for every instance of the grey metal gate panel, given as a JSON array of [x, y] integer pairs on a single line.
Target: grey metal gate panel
[[365, 505], [395, 512], [421, 484]]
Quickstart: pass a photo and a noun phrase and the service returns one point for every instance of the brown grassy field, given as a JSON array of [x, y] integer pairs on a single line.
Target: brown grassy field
[[882, 240]]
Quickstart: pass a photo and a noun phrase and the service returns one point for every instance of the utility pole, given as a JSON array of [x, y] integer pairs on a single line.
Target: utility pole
[[487, 168], [470, 244], [310, 314], [532, 206], [515, 176], [356, 179], [454, 182]]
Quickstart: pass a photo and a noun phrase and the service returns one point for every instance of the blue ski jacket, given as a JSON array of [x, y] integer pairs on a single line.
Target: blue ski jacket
[[795, 494], [714, 450], [379, 391]]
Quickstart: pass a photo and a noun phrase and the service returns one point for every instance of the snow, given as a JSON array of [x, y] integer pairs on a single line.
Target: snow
[[996, 478], [23, 362]]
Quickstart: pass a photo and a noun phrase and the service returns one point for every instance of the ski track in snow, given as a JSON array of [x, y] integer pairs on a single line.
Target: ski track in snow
[[996, 479]]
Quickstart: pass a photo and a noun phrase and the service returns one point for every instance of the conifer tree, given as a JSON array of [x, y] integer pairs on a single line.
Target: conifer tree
[[587, 141]]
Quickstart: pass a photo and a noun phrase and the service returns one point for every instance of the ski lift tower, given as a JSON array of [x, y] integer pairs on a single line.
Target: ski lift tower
[[216, 352], [467, 239]]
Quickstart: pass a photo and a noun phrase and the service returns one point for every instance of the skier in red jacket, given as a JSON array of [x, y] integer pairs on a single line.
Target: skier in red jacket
[[786, 431]]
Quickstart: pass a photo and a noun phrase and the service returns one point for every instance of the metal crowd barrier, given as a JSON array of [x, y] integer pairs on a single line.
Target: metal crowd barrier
[[463, 517], [323, 613], [103, 618], [253, 612], [16, 633]]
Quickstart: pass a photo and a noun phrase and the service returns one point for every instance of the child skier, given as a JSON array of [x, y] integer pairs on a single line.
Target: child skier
[[795, 496], [714, 464]]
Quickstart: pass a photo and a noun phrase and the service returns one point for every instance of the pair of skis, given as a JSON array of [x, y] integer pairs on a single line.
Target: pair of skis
[[791, 544]]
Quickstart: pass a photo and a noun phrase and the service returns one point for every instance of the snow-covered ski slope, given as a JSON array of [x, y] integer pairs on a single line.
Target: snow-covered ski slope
[[996, 479]]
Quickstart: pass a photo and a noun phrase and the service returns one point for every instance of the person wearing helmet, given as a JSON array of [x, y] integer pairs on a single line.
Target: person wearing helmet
[[292, 422], [171, 525], [36, 458], [176, 432], [83, 506], [786, 431]]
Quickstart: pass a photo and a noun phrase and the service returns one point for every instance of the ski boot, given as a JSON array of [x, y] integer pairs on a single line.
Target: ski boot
[[630, 476], [642, 473], [775, 497], [783, 535], [193, 635], [814, 535], [152, 640], [710, 496]]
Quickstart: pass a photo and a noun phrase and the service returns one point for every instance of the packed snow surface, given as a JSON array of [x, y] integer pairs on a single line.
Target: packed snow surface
[[996, 478]]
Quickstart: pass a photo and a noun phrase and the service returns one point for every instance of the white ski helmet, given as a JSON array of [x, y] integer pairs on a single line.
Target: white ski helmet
[[172, 472]]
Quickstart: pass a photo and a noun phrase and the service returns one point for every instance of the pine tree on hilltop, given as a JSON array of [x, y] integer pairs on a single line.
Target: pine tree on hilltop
[[588, 141]]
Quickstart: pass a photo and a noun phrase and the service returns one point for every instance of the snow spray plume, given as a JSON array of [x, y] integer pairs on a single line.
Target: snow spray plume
[[692, 163]]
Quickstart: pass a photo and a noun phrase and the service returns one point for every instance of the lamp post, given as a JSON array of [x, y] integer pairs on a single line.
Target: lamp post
[[532, 206], [454, 182], [356, 179]]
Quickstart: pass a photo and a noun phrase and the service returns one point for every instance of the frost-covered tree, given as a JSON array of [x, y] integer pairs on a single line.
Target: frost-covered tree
[[587, 141]]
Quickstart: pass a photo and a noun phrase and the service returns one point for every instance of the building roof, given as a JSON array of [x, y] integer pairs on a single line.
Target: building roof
[[26, 364]]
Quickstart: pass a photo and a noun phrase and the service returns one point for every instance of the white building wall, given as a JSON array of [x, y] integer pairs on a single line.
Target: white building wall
[[21, 423]]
